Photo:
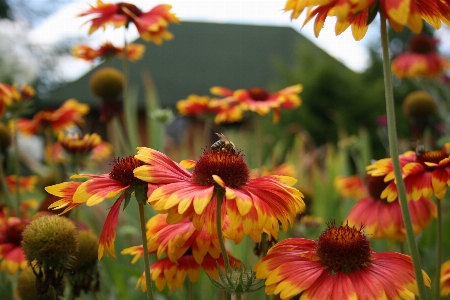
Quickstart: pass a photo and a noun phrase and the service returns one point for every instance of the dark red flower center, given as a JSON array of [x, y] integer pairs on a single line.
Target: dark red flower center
[[13, 233], [126, 8], [230, 167], [122, 171], [343, 248], [376, 186], [109, 50], [434, 157], [258, 94], [422, 44]]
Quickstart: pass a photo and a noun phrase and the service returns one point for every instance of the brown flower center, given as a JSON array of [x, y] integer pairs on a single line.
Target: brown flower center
[[126, 8], [122, 171], [422, 44], [230, 167], [343, 248], [258, 94], [434, 157]]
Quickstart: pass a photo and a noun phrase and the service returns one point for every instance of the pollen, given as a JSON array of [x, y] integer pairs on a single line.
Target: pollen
[[343, 248], [230, 167], [122, 170]]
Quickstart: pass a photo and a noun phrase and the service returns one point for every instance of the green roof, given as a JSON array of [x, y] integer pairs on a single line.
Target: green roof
[[200, 56]]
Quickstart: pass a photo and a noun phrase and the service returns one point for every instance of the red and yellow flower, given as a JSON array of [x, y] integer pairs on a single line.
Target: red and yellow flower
[[257, 204], [187, 251], [11, 253], [133, 52], [445, 279], [195, 105], [384, 219], [69, 114], [25, 184], [358, 14], [385, 169], [339, 265], [77, 144], [120, 181], [425, 173], [13, 98], [421, 59], [151, 25], [262, 101], [225, 110]]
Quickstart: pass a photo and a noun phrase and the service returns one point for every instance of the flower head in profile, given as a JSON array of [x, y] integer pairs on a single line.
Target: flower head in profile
[[118, 182], [151, 25], [425, 173], [133, 52], [360, 13], [15, 99], [257, 204], [225, 110], [181, 250], [262, 101], [339, 265], [384, 219], [11, 254], [194, 105], [77, 144], [422, 59], [70, 113]]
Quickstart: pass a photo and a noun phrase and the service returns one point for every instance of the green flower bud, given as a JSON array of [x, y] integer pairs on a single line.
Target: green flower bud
[[107, 83], [26, 287], [238, 281], [419, 104], [87, 250], [50, 242]]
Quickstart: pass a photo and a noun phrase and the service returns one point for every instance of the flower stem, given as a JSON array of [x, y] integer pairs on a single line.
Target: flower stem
[[148, 280], [4, 187], [437, 280], [392, 133], [220, 195], [15, 146]]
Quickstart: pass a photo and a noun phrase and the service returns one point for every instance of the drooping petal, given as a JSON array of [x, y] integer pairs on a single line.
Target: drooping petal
[[108, 235]]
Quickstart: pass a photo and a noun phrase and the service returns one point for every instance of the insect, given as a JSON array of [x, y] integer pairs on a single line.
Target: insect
[[224, 144], [420, 150]]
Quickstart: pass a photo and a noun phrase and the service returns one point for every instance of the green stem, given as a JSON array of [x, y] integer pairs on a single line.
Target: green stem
[[15, 146], [191, 291], [437, 280], [238, 296], [226, 261], [6, 194], [392, 132], [148, 279], [121, 139], [258, 143]]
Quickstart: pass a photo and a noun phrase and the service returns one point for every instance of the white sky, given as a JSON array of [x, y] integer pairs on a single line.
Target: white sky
[[262, 12]]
